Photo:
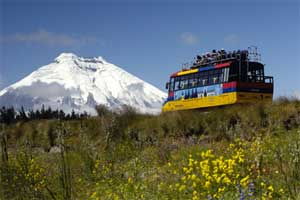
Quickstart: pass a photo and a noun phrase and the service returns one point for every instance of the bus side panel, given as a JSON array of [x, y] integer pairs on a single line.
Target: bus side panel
[[254, 92], [253, 97], [209, 101]]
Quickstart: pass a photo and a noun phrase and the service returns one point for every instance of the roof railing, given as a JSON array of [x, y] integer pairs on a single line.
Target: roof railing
[[222, 56]]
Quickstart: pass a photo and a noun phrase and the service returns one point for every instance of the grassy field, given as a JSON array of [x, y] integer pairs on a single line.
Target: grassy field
[[238, 152]]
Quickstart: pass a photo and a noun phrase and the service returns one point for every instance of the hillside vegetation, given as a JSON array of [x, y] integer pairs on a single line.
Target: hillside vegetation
[[237, 152]]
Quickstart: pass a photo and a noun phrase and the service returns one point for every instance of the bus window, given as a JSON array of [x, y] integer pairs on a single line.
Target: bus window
[[193, 81], [204, 81], [172, 85], [215, 79], [183, 82], [220, 77], [259, 75], [190, 77], [200, 81], [177, 83], [210, 80], [225, 74]]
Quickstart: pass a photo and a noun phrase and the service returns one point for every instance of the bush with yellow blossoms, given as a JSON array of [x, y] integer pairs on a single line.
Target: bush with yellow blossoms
[[230, 175], [208, 176], [24, 178]]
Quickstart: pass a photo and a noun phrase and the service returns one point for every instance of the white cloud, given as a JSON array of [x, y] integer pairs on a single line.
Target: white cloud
[[189, 38], [48, 38], [37, 89], [232, 39]]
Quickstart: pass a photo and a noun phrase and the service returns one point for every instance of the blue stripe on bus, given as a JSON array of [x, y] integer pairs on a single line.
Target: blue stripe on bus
[[206, 68], [229, 90], [261, 90]]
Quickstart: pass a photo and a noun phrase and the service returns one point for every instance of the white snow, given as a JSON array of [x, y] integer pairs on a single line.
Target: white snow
[[69, 80]]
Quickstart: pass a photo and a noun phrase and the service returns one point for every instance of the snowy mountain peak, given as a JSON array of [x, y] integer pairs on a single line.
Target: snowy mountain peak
[[80, 83], [67, 57]]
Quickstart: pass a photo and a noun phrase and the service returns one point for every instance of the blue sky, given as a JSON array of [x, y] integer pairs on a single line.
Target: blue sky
[[150, 39]]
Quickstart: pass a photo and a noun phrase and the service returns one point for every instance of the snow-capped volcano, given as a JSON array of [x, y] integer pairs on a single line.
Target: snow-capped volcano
[[78, 83]]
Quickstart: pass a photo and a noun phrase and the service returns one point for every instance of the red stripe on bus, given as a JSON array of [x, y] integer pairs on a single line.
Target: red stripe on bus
[[174, 74], [229, 85], [222, 65]]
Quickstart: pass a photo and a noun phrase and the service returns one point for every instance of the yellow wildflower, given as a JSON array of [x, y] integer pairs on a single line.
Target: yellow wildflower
[[270, 188], [193, 177], [221, 189], [181, 188], [93, 194], [129, 180], [194, 184], [245, 181], [195, 198], [281, 190], [207, 184]]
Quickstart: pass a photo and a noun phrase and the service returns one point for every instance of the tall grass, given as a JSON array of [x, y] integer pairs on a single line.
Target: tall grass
[[127, 155]]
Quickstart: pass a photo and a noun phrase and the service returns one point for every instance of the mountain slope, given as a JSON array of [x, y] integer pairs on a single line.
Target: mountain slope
[[78, 83]]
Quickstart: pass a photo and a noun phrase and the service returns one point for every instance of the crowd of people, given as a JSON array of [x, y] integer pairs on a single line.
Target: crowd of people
[[217, 56]]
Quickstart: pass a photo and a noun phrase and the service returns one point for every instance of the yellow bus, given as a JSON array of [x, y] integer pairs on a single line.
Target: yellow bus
[[219, 78]]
